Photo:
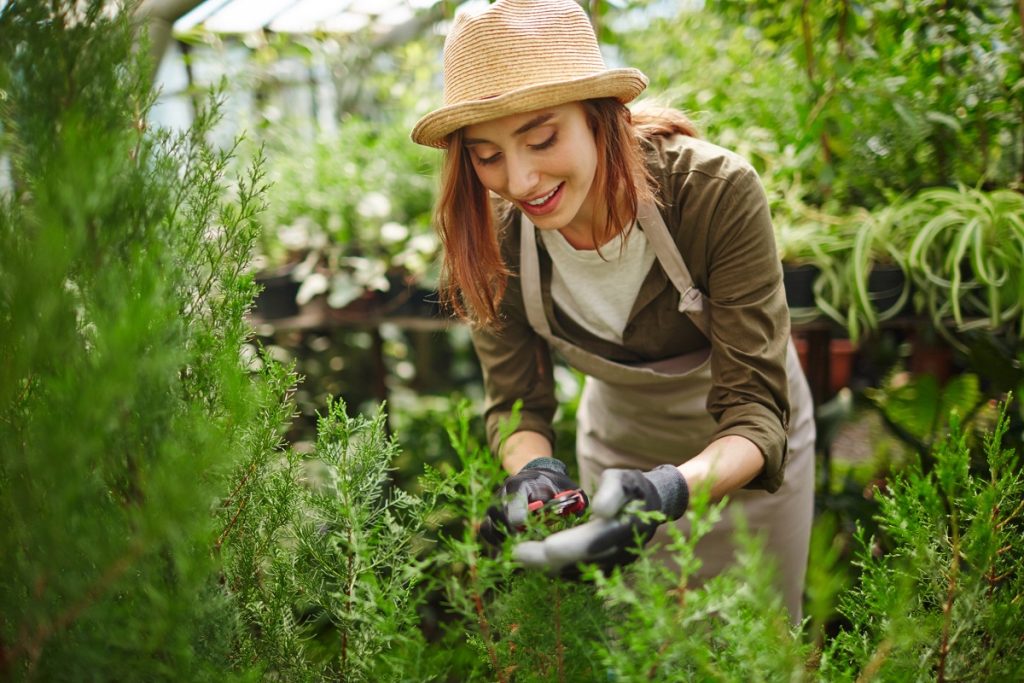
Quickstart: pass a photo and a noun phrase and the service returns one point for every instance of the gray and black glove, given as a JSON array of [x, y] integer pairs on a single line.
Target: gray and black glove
[[610, 538], [541, 481]]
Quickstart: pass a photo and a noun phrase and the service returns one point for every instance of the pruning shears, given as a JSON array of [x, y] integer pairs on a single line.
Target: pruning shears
[[564, 503]]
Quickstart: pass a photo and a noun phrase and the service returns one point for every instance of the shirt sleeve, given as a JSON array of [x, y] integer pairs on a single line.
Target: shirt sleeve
[[516, 365], [749, 324]]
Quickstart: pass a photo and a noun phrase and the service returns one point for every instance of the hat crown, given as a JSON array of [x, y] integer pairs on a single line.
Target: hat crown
[[516, 44]]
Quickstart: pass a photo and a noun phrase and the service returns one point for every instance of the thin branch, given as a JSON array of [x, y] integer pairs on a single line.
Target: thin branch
[[559, 646], [1020, 506], [348, 602], [947, 608], [485, 627], [231, 524], [876, 661]]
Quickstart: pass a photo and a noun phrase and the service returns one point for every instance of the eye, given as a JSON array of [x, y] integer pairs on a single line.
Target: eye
[[547, 143], [484, 161]]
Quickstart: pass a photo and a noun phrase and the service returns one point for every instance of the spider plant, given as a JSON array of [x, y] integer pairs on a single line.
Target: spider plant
[[807, 237], [844, 291], [968, 257]]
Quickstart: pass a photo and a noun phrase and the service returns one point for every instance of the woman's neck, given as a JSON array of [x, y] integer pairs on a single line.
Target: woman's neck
[[580, 233]]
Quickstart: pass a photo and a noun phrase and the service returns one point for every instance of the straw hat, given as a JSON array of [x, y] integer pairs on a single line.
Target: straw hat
[[518, 56]]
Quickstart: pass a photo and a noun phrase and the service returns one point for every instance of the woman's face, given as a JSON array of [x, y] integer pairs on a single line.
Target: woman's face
[[543, 161]]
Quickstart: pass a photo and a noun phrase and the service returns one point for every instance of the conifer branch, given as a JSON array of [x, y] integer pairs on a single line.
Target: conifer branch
[[348, 604], [1010, 517], [653, 671], [234, 519], [947, 608]]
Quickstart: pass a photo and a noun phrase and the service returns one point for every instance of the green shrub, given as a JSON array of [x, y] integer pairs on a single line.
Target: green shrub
[[942, 601], [123, 401]]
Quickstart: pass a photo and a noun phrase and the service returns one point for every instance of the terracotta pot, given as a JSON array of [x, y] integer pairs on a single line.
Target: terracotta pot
[[842, 354]]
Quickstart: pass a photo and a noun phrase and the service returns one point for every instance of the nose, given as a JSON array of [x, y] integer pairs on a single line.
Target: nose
[[522, 177]]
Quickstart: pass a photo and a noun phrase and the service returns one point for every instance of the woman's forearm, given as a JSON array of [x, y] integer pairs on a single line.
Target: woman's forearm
[[726, 465], [522, 447]]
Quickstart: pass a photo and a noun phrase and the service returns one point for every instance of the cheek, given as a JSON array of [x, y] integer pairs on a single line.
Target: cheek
[[489, 178]]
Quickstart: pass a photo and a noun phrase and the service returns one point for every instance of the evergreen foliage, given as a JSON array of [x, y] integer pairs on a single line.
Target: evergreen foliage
[[123, 401], [323, 563], [944, 601]]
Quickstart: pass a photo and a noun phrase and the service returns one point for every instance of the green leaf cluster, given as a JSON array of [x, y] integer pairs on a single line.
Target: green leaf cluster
[[860, 100]]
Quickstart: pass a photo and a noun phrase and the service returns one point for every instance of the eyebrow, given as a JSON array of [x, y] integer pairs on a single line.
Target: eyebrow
[[536, 121]]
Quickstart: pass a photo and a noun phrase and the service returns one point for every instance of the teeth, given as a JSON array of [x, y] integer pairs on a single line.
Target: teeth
[[538, 202]]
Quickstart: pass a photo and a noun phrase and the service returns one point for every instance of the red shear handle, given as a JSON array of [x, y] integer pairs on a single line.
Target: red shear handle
[[568, 502]]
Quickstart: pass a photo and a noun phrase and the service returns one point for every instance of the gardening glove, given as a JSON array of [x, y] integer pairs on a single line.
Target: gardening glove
[[611, 536], [541, 481]]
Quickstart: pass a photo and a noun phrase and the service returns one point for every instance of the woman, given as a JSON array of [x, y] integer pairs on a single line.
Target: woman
[[646, 258]]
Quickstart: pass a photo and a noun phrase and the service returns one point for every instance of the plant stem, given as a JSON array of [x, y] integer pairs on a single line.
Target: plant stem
[[1020, 16], [224, 534], [348, 605], [947, 608], [485, 627], [559, 646], [805, 27], [881, 652]]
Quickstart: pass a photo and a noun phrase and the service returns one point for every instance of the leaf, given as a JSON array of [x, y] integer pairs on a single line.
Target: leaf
[[913, 407], [960, 396], [944, 120], [344, 290]]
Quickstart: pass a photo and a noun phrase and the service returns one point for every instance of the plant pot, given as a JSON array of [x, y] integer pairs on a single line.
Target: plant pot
[[931, 356], [885, 286], [842, 353], [277, 298], [799, 283], [419, 303]]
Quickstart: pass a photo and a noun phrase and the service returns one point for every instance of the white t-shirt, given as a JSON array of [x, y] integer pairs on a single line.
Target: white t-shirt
[[599, 293]]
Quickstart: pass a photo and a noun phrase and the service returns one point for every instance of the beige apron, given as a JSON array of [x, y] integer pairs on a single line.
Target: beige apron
[[644, 415]]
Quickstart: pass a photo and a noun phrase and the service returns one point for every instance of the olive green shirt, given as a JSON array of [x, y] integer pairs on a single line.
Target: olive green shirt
[[716, 211]]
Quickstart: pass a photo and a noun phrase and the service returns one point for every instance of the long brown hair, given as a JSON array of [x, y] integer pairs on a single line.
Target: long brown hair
[[474, 275]]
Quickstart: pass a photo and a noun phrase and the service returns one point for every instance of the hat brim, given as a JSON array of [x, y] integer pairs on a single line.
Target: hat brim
[[622, 84]]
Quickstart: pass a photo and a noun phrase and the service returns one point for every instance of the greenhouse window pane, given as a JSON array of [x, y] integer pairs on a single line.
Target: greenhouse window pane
[[242, 16], [298, 16], [346, 22], [308, 15], [199, 14]]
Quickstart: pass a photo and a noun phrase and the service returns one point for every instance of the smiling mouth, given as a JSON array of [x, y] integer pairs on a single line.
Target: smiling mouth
[[543, 200]]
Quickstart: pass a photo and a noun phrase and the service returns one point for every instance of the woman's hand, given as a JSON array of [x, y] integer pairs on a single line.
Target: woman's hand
[[616, 529], [541, 480]]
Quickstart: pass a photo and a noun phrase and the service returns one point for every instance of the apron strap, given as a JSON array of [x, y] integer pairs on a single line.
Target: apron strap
[[529, 277], [691, 300]]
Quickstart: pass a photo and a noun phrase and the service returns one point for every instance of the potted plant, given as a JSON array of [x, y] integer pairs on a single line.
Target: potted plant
[[866, 281], [349, 217], [967, 257], [806, 239]]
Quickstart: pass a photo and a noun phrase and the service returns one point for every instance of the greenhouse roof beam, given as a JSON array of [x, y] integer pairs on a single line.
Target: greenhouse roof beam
[[161, 15]]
